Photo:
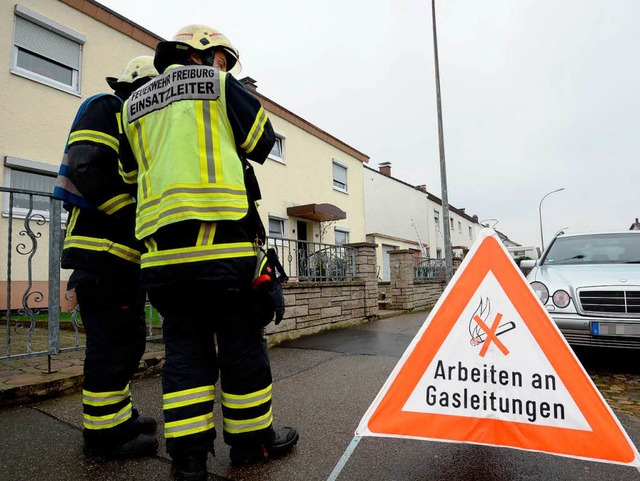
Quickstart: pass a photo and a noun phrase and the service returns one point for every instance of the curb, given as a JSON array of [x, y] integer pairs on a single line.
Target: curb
[[150, 365]]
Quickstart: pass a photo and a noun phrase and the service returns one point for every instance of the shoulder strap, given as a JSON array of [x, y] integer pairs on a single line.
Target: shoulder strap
[[253, 193], [64, 189]]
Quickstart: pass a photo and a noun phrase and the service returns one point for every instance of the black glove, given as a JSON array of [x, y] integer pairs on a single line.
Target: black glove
[[277, 298], [267, 280]]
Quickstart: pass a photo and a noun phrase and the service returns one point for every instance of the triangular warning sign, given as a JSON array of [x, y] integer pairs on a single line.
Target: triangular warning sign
[[489, 366]]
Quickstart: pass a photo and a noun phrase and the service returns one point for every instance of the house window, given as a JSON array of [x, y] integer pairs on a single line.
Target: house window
[[28, 175], [438, 253], [339, 176], [276, 227], [470, 232], [46, 51], [277, 151], [460, 227], [436, 217], [341, 237], [451, 223], [276, 232]]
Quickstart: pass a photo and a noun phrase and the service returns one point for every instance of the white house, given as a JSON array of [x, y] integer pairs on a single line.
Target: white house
[[399, 215]]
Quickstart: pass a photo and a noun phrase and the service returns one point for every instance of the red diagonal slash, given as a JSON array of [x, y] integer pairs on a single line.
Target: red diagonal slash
[[491, 335]]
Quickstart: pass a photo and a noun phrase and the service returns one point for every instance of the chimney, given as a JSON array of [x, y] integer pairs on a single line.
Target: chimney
[[385, 168], [422, 188], [250, 84]]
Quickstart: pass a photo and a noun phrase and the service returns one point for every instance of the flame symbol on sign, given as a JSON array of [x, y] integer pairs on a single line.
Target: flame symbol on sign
[[483, 312]]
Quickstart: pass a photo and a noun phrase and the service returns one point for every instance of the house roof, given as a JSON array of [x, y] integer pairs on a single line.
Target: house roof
[[430, 196], [116, 21], [298, 121]]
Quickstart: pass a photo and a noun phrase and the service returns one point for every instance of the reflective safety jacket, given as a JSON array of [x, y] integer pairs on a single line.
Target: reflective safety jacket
[[188, 129], [97, 192]]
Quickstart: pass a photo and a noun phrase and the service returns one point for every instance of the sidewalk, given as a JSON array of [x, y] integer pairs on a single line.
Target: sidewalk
[[24, 380], [323, 385]]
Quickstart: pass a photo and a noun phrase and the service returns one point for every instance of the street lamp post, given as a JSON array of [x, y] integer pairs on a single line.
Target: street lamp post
[[540, 214], [448, 254]]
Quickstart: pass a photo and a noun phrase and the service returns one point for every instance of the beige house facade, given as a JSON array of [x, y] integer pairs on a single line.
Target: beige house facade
[[401, 216], [56, 54], [312, 183]]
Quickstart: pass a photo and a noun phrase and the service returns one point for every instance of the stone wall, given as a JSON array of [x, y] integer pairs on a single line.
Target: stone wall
[[407, 294], [313, 307]]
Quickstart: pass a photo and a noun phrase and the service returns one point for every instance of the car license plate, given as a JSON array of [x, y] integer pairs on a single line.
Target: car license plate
[[615, 329]]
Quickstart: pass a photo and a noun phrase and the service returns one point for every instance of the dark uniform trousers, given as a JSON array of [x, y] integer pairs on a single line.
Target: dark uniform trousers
[[112, 312], [197, 315]]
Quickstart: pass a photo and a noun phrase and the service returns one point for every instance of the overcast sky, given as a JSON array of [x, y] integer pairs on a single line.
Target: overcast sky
[[536, 94]]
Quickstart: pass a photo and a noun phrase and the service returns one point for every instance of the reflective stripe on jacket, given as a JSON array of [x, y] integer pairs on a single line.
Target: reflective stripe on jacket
[[92, 184]]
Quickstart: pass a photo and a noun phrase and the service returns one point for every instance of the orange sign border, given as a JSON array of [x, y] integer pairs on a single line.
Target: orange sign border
[[606, 441]]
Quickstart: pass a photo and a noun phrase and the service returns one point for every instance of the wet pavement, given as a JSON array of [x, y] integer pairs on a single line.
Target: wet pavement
[[323, 385]]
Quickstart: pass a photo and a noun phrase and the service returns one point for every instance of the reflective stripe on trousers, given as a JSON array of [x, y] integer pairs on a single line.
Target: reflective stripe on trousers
[[109, 420], [192, 400]]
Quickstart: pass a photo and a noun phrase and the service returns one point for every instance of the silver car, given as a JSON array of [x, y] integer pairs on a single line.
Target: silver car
[[590, 285]]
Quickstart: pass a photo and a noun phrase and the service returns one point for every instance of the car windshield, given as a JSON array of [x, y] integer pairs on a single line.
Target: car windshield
[[595, 249]]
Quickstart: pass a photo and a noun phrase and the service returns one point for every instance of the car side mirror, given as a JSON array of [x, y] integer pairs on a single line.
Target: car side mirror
[[528, 263]]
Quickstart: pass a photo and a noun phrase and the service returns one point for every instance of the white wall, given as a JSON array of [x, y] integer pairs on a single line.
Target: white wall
[[396, 213]]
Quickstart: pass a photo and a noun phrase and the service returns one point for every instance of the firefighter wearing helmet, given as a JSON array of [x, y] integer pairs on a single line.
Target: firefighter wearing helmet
[[105, 257], [192, 131], [204, 41]]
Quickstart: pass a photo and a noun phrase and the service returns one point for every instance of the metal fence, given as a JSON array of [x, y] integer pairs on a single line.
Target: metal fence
[[31, 246], [31, 317], [426, 268], [314, 261], [32, 328]]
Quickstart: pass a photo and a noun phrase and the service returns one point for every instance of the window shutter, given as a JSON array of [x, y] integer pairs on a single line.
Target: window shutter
[[340, 173], [47, 43]]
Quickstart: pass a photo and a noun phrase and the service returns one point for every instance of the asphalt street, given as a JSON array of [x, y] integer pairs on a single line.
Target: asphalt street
[[323, 385]]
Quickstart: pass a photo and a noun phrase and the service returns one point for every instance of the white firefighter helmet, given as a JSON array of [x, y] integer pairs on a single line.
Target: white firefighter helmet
[[200, 38], [137, 68]]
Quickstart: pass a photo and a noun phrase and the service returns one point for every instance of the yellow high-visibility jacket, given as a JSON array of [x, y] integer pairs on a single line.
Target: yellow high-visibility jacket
[[187, 130]]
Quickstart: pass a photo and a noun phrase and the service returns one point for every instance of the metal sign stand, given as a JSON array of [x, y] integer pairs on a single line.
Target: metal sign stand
[[345, 457]]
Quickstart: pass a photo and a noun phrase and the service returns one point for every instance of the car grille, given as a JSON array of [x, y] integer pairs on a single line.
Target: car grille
[[610, 302]]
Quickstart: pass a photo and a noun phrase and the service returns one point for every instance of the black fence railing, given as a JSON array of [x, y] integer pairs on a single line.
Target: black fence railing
[[314, 261], [31, 239], [31, 227], [426, 268]]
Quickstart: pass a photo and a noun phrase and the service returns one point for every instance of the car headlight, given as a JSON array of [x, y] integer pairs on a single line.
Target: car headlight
[[561, 298], [541, 291]]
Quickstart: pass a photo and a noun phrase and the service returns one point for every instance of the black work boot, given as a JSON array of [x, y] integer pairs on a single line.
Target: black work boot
[[281, 442], [141, 445], [145, 424], [190, 467]]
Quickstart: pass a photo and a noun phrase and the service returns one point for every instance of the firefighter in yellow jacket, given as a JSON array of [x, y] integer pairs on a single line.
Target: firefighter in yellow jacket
[[191, 130], [101, 249]]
